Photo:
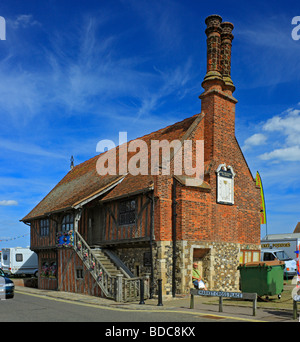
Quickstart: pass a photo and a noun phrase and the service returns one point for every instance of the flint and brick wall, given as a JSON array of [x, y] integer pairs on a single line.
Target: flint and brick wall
[[218, 264]]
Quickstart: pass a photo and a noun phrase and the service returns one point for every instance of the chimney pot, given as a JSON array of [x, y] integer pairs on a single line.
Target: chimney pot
[[213, 32], [226, 43]]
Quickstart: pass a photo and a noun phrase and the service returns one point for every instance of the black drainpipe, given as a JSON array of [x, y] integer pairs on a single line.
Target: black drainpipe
[[151, 243], [174, 215]]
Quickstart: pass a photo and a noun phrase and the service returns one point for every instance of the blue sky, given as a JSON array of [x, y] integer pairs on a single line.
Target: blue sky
[[74, 73]]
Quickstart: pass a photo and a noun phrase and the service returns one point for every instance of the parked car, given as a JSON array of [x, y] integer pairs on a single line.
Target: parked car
[[7, 287]]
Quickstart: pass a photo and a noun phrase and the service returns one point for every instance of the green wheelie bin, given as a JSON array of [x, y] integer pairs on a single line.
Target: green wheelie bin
[[264, 278]]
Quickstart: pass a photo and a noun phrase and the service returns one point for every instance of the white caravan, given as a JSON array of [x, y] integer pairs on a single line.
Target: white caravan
[[19, 261]]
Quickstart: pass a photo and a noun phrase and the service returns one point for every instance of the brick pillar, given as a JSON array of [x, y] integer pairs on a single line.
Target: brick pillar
[[213, 32], [226, 43]]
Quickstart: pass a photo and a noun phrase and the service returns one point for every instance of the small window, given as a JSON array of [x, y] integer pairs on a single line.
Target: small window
[[19, 257], [255, 256], [67, 222], [249, 256], [44, 227], [79, 273], [127, 212]]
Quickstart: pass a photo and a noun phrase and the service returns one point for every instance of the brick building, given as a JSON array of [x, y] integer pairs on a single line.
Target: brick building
[[90, 228]]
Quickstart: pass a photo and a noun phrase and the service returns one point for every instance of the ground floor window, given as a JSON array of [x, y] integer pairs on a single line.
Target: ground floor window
[[79, 273], [249, 256], [49, 269]]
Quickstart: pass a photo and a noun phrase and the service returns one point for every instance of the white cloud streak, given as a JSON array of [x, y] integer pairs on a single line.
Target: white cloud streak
[[288, 124], [7, 203], [27, 148], [285, 154], [90, 77], [282, 132], [23, 21], [255, 140]]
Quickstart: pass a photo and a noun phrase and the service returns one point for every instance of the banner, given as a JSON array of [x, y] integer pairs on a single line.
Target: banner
[[298, 265], [14, 238], [263, 219]]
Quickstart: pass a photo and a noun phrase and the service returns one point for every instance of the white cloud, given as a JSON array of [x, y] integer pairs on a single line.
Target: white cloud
[[28, 148], [270, 34], [170, 82], [23, 21], [88, 78], [288, 124], [255, 140], [7, 203], [283, 134], [286, 154]]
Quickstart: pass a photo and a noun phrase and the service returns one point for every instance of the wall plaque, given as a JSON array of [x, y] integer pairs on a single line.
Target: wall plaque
[[225, 184]]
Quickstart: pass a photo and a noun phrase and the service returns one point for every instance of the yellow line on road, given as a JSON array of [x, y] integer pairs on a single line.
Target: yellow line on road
[[99, 306]]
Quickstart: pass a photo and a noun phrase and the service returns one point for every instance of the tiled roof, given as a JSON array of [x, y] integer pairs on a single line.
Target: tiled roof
[[297, 229], [83, 181]]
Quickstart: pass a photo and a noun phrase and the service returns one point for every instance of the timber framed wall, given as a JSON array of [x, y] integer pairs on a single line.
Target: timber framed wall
[[73, 276]]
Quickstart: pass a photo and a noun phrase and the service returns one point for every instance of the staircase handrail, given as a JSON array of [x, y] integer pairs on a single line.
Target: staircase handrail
[[101, 275], [118, 262]]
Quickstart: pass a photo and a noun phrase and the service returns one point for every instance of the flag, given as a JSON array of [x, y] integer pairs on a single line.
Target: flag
[[263, 219], [298, 262]]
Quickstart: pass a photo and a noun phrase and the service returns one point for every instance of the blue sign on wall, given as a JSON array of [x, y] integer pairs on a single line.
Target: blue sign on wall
[[65, 239]]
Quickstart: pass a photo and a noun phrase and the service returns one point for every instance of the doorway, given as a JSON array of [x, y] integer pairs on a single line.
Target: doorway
[[203, 258]]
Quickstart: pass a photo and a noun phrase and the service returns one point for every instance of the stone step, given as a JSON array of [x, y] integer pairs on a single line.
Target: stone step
[[106, 262]]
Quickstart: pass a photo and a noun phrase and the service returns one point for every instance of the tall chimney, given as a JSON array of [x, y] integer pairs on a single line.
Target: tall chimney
[[213, 32], [217, 102], [219, 42], [226, 43]]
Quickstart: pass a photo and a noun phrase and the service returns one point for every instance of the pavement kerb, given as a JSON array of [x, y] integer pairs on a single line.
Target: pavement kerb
[[181, 304]]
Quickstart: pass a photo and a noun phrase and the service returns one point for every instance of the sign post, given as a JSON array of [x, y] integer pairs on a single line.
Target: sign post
[[295, 308], [221, 295]]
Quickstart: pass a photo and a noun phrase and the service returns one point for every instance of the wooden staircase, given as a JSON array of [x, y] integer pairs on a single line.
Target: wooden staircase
[[110, 267], [112, 276]]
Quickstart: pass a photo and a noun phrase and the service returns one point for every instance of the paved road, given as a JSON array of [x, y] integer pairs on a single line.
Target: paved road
[[34, 308]]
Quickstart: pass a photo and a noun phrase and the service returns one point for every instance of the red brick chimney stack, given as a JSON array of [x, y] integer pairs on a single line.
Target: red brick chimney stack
[[226, 43], [213, 32], [219, 42], [217, 102]]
